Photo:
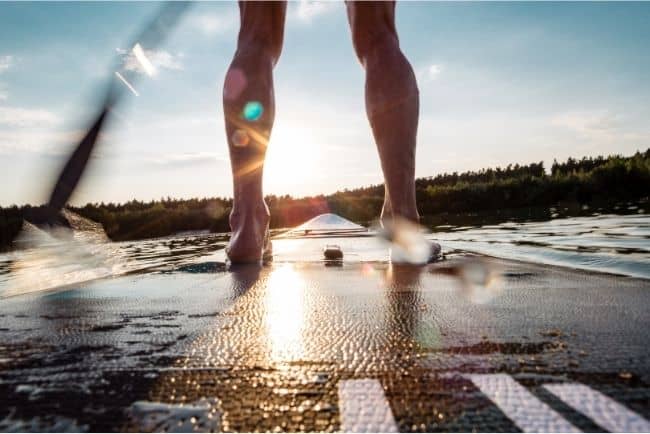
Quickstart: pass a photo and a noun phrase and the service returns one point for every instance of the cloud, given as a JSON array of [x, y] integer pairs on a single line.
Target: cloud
[[429, 72], [48, 143], [591, 124], [433, 71], [160, 59], [3, 95], [24, 117], [212, 24], [187, 159], [6, 62], [306, 10]]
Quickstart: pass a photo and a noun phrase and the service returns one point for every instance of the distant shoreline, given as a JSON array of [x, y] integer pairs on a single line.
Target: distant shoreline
[[600, 182]]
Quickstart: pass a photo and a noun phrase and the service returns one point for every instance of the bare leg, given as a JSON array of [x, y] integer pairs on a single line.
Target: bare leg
[[392, 102], [249, 109]]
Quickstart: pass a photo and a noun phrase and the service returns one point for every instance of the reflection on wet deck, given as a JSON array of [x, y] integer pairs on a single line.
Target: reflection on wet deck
[[270, 346]]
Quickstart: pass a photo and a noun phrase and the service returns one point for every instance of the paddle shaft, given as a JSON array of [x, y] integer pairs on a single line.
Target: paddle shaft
[[152, 35]]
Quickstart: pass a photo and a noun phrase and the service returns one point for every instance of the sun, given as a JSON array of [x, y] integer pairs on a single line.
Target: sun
[[292, 159]]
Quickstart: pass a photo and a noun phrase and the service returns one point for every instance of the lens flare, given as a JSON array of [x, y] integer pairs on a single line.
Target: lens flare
[[253, 111], [126, 83], [240, 139], [367, 270], [146, 64], [234, 84]]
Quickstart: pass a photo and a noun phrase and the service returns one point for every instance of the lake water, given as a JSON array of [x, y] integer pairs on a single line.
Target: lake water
[[617, 244]]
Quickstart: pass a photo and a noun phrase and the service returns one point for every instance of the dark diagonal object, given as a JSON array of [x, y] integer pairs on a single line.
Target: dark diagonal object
[[74, 168], [152, 35]]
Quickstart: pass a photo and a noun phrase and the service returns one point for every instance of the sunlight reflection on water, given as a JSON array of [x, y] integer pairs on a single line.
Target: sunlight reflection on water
[[58, 257], [610, 243]]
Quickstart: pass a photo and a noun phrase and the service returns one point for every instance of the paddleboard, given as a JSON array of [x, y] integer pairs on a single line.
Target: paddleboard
[[297, 345]]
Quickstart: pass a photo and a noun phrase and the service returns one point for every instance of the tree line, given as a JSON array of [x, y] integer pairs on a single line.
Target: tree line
[[575, 181]]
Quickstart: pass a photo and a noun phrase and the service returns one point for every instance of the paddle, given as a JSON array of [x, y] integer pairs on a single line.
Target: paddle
[[151, 36]]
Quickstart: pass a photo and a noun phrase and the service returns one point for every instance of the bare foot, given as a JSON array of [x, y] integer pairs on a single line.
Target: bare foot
[[408, 242], [249, 241]]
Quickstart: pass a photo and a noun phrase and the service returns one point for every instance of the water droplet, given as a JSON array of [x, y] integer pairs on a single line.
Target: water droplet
[[480, 280], [253, 111]]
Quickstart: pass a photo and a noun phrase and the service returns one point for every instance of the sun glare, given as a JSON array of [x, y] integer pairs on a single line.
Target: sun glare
[[293, 159]]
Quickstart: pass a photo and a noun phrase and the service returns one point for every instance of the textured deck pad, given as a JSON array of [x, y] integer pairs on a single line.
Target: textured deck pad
[[603, 410], [522, 407], [364, 408], [304, 346]]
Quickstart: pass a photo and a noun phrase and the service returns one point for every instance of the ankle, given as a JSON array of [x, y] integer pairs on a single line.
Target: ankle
[[245, 210], [410, 215], [392, 213]]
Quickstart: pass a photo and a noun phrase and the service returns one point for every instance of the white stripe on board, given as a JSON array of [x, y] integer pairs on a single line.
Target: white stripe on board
[[519, 405], [602, 409], [364, 408]]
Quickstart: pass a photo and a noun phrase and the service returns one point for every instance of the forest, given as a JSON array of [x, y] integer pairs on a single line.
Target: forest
[[581, 182]]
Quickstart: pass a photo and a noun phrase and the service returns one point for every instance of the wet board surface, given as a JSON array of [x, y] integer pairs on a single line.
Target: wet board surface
[[300, 345], [309, 249]]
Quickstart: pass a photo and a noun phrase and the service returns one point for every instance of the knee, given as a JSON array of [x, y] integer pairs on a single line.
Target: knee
[[259, 44], [262, 28], [373, 29], [374, 43]]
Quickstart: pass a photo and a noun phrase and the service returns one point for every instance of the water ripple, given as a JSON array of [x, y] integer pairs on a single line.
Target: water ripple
[[617, 244]]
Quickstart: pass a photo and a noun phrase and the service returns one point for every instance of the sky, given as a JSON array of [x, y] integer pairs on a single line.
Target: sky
[[499, 83]]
